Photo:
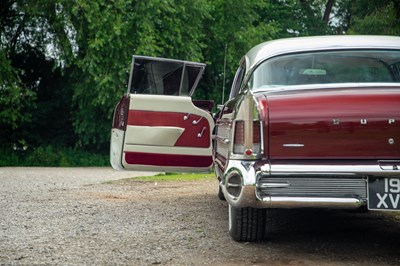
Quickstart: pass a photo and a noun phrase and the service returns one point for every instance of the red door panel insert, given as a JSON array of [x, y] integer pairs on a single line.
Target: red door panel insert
[[156, 159], [197, 128]]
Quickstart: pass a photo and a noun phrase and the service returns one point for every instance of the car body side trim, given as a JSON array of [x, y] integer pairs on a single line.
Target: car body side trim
[[314, 202], [328, 170]]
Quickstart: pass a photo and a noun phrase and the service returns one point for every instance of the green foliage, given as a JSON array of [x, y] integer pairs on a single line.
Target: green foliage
[[237, 26], [376, 17], [63, 64], [10, 158], [13, 97], [16, 104], [52, 156], [102, 57]]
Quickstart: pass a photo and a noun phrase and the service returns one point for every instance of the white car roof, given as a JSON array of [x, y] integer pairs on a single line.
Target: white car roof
[[269, 49]]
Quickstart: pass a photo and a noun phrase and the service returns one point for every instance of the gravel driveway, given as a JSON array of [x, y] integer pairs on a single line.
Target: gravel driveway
[[71, 216]]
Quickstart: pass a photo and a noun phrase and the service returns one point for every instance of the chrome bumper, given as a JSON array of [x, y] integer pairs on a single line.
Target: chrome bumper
[[264, 185]]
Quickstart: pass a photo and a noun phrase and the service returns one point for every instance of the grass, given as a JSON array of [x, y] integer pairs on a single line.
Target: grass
[[167, 177], [174, 177]]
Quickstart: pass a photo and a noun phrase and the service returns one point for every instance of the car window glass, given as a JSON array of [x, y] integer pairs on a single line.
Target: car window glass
[[156, 77], [164, 76], [237, 81], [327, 67], [190, 78]]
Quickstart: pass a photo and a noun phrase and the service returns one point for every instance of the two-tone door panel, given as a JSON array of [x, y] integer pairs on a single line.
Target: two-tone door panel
[[164, 130], [167, 133]]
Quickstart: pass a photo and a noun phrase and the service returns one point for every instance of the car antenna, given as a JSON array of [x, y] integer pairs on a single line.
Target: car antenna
[[223, 85]]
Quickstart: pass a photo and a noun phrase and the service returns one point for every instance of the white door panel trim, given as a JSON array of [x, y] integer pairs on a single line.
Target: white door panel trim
[[117, 139], [153, 135], [163, 104]]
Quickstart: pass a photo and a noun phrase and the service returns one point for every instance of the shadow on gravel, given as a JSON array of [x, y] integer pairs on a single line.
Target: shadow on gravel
[[307, 237], [373, 238]]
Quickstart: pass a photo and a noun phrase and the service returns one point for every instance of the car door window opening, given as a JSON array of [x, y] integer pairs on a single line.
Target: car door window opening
[[160, 76]]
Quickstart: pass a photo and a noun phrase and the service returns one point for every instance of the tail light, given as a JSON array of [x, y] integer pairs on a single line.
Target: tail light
[[238, 142], [250, 144], [256, 137], [239, 139], [121, 113]]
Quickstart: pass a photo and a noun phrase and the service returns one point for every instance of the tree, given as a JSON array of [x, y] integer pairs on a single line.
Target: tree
[[380, 17], [64, 63], [92, 51], [15, 103], [154, 28], [328, 10], [235, 26], [239, 25]]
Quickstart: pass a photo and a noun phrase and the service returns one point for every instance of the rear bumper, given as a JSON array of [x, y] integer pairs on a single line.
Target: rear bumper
[[305, 184]]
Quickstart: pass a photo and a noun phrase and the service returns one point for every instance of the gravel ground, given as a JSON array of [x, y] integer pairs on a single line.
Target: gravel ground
[[71, 216]]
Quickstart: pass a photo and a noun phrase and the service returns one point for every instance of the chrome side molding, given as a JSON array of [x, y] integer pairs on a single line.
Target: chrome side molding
[[314, 202]]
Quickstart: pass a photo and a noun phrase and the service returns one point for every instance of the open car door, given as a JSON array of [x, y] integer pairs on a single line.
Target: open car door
[[157, 126]]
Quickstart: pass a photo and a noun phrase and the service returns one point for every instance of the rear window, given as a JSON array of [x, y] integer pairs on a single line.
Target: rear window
[[164, 76], [328, 67]]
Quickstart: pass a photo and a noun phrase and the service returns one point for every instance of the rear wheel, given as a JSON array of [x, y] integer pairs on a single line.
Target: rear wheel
[[247, 224]]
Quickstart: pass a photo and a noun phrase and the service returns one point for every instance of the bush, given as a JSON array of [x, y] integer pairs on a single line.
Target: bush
[[8, 158], [53, 156]]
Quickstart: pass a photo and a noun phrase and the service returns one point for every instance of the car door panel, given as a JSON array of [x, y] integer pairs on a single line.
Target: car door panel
[[167, 133], [192, 125], [157, 126]]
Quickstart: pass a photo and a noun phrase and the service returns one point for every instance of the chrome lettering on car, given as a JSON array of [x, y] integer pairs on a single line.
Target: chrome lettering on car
[[293, 145], [391, 141], [363, 121]]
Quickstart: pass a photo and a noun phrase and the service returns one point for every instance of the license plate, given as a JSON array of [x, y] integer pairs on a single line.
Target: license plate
[[384, 193]]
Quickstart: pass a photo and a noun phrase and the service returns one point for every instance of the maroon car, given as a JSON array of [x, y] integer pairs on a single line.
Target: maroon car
[[310, 123]]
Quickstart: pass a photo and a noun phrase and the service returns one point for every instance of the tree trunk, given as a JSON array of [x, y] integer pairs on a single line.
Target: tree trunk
[[328, 9]]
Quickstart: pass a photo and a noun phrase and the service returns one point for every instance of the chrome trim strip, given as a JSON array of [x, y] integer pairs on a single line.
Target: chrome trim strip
[[310, 87], [273, 185], [293, 145], [221, 122], [389, 164], [221, 139], [219, 162], [308, 202], [326, 170]]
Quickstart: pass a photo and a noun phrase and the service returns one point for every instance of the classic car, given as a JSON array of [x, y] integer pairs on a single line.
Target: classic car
[[311, 122]]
